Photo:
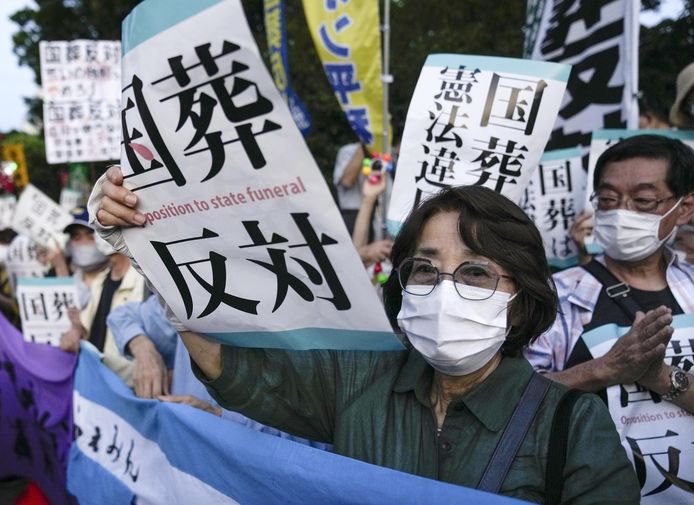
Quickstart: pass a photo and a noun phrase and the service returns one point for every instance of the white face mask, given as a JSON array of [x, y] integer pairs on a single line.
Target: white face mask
[[627, 235], [455, 335], [87, 256]]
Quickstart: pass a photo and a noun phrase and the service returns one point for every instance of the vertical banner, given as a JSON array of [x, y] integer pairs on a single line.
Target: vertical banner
[[15, 154], [475, 120], [43, 305], [276, 30], [81, 92], [657, 435], [347, 38], [600, 40], [553, 199], [243, 238]]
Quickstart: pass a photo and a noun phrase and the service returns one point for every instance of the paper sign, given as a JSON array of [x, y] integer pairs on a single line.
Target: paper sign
[[552, 197], [475, 120], [43, 305], [81, 92], [242, 238], [40, 218]]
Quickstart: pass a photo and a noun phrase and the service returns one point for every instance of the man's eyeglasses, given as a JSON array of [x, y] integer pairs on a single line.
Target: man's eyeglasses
[[609, 202], [417, 276]]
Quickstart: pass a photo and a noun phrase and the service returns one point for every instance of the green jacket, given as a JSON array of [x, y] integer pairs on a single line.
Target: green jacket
[[375, 407]]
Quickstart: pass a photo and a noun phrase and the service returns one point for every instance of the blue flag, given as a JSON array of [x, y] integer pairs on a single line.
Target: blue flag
[[175, 454]]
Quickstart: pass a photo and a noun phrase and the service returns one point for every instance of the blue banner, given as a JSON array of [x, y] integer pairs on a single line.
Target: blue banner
[[276, 30], [174, 454]]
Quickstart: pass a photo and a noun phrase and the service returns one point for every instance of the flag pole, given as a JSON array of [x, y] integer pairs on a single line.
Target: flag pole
[[386, 79]]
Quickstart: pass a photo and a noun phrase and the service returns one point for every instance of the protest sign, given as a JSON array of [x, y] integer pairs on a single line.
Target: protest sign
[[23, 260], [657, 435], [553, 194], [36, 420], [600, 40], [40, 218], [243, 238], [43, 305], [475, 120], [7, 205], [81, 93], [70, 198], [347, 39], [147, 451]]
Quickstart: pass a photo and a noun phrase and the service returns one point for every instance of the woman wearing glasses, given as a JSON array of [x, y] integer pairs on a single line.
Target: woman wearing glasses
[[472, 289]]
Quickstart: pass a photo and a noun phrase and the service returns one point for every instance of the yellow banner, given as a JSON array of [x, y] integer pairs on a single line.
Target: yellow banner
[[347, 37], [15, 153]]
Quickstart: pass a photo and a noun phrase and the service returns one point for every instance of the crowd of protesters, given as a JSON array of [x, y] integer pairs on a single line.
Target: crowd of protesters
[[471, 293]]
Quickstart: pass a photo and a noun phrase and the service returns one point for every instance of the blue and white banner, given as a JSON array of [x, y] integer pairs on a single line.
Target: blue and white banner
[[145, 451], [276, 32]]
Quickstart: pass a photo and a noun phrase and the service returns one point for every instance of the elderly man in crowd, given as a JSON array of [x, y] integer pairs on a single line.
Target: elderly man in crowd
[[643, 190]]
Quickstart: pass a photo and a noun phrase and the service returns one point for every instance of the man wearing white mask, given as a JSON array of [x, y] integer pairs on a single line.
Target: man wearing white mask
[[87, 256], [618, 313]]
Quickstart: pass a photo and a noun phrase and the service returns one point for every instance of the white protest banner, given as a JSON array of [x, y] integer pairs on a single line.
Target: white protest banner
[[70, 198], [7, 205], [242, 237], [43, 305], [601, 141], [23, 259], [475, 120], [658, 436], [600, 41], [40, 218], [552, 197], [81, 93]]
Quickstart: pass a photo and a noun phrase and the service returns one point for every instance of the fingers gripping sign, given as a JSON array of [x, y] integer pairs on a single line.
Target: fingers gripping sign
[[118, 204]]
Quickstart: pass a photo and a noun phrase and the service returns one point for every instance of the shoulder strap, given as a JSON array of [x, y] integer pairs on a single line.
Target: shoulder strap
[[558, 441], [614, 288], [513, 435]]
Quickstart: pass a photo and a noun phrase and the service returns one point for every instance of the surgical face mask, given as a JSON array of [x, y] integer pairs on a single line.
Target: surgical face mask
[[456, 336], [627, 235], [87, 256]]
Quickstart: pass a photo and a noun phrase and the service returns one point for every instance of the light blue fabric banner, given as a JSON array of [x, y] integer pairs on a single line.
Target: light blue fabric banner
[[175, 454]]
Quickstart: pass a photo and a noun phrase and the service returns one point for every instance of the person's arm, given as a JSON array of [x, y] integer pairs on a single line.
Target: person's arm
[[657, 379], [628, 360], [597, 470], [353, 169], [369, 196], [70, 340]]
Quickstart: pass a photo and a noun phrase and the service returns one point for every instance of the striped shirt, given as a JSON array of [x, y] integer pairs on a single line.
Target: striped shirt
[[578, 294]]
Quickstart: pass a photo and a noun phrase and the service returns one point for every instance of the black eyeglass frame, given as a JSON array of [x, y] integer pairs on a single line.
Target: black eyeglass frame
[[439, 273]]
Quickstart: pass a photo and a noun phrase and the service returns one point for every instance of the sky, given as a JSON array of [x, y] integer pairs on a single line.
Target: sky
[[17, 82]]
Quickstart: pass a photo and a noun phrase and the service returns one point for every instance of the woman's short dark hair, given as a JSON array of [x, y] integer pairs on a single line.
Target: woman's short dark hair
[[490, 225], [679, 156]]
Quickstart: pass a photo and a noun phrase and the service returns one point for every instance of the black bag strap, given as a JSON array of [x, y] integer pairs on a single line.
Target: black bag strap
[[513, 435], [614, 288], [558, 441]]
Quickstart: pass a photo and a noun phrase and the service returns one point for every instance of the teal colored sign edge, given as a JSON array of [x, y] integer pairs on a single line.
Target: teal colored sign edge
[[613, 133], [304, 339], [559, 154], [154, 16], [535, 68], [45, 281], [609, 331]]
